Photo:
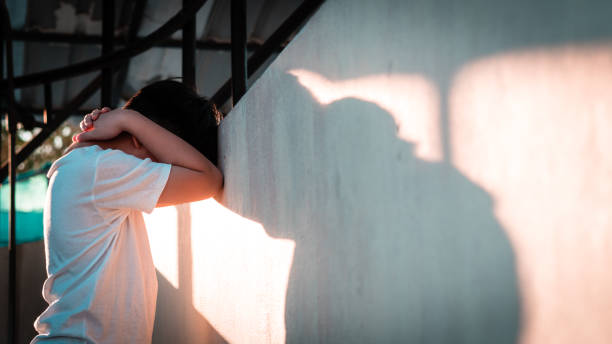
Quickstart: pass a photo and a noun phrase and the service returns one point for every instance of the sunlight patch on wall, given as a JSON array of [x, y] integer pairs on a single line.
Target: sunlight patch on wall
[[412, 101], [162, 230], [248, 304], [534, 128]]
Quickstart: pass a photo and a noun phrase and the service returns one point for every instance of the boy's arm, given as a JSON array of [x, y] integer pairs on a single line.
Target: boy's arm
[[192, 176]]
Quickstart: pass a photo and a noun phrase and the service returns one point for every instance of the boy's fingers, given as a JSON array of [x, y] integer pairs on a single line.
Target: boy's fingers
[[84, 136], [97, 113], [86, 123]]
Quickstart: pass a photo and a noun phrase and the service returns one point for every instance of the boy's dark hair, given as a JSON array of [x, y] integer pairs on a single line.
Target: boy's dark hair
[[180, 110]]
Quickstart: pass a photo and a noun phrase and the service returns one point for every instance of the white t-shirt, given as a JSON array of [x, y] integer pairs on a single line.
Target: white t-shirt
[[101, 285]]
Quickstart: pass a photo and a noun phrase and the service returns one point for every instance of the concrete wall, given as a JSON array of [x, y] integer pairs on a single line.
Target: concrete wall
[[415, 171]]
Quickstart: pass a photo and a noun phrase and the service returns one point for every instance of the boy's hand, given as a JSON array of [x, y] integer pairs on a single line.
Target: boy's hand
[[107, 127], [88, 121]]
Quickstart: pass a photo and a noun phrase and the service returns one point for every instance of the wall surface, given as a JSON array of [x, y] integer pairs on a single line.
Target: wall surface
[[31, 274], [409, 171]]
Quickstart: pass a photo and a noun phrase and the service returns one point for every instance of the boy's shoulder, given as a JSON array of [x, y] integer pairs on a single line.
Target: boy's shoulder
[[79, 158], [74, 154], [101, 163]]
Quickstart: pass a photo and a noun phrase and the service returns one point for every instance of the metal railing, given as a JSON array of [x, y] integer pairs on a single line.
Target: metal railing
[[117, 61]]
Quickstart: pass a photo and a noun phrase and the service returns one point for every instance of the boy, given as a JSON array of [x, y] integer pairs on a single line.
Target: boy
[[101, 285]]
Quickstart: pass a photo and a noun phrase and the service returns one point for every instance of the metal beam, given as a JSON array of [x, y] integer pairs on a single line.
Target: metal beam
[[271, 45], [12, 164], [54, 37], [137, 15], [112, 59], [30, 112], [188, 46], [1, 77], [25, 116], [1, 56], [239, 61], [108, 35]]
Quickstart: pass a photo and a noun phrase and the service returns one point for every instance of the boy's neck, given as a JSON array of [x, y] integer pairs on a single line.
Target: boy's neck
[[123, 142], [117, 143]]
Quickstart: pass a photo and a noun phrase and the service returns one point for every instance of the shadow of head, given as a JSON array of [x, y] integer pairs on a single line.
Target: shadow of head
[[388, 247]]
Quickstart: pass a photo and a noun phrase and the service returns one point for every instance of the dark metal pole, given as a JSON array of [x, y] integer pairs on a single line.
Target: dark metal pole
[[1, 77], [74, 39], [132, 34], [108, 35], [189, 39], [12, 129], [1, 56], [239, 62], [271, 45], [12, 246]]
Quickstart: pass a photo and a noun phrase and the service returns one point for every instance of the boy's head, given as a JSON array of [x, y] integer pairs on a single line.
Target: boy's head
[[180, 110]]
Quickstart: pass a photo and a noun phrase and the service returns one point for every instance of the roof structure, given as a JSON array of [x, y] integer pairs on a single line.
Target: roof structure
[[52, 34]]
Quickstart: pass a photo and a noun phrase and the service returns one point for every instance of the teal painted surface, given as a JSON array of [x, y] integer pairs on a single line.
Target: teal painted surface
[[30, 202], [29, 227]]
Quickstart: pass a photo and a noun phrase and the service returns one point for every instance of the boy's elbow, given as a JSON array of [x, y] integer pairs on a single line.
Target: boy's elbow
[[214, 182], [185, 185], [218, 182]]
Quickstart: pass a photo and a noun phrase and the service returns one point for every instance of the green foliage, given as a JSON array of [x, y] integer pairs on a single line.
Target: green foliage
[[50, 150]]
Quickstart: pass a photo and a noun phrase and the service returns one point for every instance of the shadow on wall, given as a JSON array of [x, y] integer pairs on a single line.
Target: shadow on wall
[[176, 319], [191, 324], [388, 247]]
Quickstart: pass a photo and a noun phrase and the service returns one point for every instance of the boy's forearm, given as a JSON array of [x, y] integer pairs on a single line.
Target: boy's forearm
[[165, 146]]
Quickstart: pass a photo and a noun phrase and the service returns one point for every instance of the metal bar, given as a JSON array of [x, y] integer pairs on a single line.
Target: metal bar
[[2, 111], [54, 37], [48, 103], [188, 46], [108, 35], [27, 119], [72, 39], [135, 23], [1, 56], [12, 130], [209, 44], [281, 35], [58, 118], [113, 59], [239, 61], [22, 110], [12, 244]]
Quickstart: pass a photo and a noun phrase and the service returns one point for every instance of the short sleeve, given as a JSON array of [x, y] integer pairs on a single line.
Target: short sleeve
[[123, 181]]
